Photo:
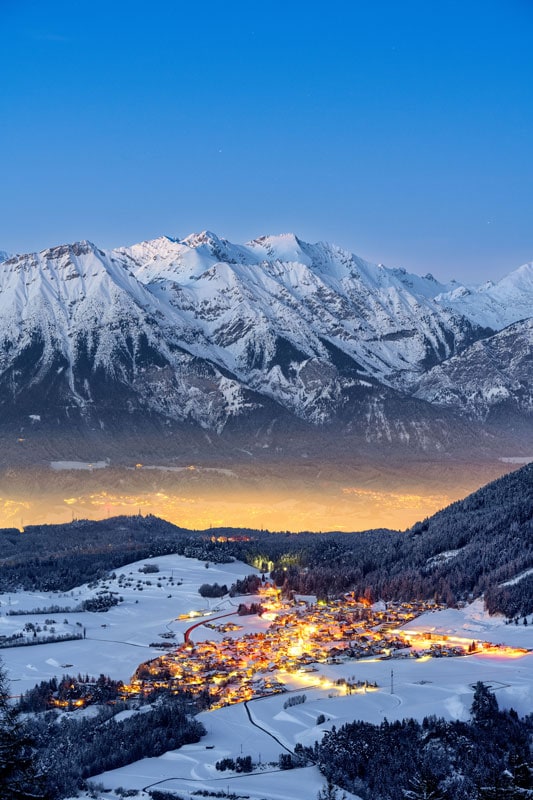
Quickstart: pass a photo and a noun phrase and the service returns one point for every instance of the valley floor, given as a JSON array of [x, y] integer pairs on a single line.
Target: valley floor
[[118, 640]]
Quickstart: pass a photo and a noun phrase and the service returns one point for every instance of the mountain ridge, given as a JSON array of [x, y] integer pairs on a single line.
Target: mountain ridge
[[199, 331]]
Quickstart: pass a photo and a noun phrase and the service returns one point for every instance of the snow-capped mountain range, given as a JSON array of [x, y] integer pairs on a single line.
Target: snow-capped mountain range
[[205, 332]]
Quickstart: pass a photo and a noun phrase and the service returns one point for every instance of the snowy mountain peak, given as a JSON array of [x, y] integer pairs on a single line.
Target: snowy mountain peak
[[77, 284], [521, 277], [201, 329], [284, 247], [241, 301], [164, 248], [282, 240], [494, 304], [204, 238], [70, 250]]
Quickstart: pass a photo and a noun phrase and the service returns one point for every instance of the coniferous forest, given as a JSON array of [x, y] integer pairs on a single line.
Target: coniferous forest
[[486, 758], [473, 547], [48, 756]]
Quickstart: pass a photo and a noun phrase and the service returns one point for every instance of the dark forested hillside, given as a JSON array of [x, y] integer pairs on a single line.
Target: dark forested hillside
[[70, 750], [468, 549], [486, 757], [473, 547], [59, 557]]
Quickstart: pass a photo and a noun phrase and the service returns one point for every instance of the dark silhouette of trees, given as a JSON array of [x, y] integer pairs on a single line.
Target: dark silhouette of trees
[[18, 780], [488, 757], [212, 590]]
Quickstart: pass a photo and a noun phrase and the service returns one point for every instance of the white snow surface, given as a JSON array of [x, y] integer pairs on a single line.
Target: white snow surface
[[517, 578], [494, 305], [440, 686], [242, 296], [263, 315], [118, 641], [493, 371], [59, 466]]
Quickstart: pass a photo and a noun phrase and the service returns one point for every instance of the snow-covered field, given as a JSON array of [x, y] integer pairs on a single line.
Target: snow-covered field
[[474, 622], [406, 688], [420, 687], [118, 640]]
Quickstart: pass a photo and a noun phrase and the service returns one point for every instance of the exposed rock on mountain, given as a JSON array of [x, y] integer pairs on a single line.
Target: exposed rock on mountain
[[493, 377]]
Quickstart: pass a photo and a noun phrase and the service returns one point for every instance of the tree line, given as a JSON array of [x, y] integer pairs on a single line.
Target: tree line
[[487, 757]]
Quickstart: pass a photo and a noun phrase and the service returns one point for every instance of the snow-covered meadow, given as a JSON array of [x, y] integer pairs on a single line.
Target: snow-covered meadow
[[406, 688], [118, 640]]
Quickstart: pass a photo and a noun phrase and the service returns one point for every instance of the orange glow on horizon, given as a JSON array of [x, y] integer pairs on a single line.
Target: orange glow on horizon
[[265, 511], [295, 497], [396, 500]]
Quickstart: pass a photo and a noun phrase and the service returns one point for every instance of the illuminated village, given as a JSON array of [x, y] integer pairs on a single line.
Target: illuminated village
[[301, 633], [257, 672]]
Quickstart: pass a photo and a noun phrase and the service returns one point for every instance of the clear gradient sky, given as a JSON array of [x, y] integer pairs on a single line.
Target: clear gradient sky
[[400, 130]]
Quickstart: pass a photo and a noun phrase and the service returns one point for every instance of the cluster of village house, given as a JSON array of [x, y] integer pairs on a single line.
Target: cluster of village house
[[301, 633]]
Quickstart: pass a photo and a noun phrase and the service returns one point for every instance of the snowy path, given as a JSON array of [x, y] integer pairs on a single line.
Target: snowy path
[[261, 728]]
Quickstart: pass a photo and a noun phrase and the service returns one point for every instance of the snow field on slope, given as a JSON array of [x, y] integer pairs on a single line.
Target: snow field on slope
[[118, 640], [441, 686], [236, 306]]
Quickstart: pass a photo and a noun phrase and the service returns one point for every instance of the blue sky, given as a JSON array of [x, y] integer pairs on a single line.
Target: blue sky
[[400, 130]]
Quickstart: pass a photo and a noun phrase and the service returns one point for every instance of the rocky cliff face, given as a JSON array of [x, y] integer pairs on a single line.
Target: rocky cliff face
[[491, 378]]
